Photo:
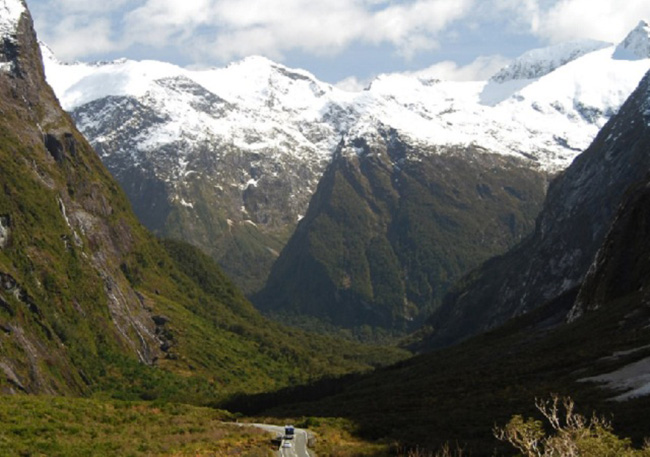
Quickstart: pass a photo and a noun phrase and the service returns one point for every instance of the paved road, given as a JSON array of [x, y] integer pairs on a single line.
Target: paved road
[[298, 444]]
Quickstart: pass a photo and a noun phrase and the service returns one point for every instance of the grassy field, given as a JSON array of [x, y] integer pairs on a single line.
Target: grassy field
[[56, 426]]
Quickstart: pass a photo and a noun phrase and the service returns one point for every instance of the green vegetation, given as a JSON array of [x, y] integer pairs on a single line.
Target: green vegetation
[[52, 426], [338, 437], [572, 434], [380, 245], [215, 223], [456, 395], [92, 304]]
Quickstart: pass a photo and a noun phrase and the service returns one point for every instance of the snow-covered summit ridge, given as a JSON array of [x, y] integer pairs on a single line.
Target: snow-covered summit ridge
[[568, 92], [540, 62], [249, 82], [636, 45], [10, 13]]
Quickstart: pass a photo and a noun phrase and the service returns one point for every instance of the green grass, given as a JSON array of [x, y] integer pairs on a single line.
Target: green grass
[[52, 426]]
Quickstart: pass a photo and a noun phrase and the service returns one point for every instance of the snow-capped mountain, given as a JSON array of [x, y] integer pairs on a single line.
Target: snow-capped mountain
[[229, 158], [539, 62], [636, 45], [568, 255], [10, 13]]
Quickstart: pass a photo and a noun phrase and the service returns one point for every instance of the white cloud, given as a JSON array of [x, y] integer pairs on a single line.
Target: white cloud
[[221, 30], [327, 27], [88, 6], [255, 28], [352, 84], [607, 20], [230, 29], [479, 70], [74, 37]]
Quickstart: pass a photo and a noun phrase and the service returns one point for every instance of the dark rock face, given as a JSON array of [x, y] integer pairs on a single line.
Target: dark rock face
[[577, 214], [60, 145], [621, 267], [390, 227]]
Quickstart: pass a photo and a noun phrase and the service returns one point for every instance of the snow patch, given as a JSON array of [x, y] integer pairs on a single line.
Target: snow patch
[[5, 231], [10, 13], [186, 204], [634, 379], [495, 92]]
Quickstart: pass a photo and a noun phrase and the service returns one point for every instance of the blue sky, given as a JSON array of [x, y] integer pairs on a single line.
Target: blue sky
[[337, 40]]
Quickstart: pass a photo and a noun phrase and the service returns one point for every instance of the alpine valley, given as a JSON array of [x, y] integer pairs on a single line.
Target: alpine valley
[[353, 208], [381, 209], [90, 300], [579, 286]]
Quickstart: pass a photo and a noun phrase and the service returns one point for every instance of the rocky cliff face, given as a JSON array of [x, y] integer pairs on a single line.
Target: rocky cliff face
[[577, 215], [66, 230], [620, 268], [636, 44]]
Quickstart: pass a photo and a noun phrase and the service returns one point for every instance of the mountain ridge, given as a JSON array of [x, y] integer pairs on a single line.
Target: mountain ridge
[[587, 340], [555, 258], [234, 155], [91, 302]]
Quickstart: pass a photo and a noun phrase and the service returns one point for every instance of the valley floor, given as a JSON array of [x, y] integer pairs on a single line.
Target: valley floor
[[69, 427]]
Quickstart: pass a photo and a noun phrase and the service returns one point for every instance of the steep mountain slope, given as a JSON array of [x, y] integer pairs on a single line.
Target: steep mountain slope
[[89, 300], [390, 227], [228, 159], [620, 268], [599, 355], [394, 223], [577, 214]]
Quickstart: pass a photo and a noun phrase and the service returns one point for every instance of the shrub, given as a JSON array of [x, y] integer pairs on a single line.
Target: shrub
[[572, 435]]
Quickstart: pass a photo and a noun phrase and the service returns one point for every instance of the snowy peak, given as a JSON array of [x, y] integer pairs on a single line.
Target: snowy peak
[[10, 13], [545, 107], [540, 62], [636, 45]]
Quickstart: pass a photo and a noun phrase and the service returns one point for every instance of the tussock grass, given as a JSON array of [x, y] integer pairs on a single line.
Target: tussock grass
[[57, 426]]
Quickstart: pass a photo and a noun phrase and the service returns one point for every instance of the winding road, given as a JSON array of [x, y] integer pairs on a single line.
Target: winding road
[[298, 443]]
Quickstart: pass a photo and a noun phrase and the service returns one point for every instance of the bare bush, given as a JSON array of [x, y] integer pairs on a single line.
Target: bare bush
[[572, 434]]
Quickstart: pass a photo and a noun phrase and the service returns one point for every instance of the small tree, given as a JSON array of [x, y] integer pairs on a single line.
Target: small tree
[[573, 435]]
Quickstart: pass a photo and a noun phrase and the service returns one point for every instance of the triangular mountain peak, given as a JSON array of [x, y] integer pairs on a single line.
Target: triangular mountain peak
[[636, 45]]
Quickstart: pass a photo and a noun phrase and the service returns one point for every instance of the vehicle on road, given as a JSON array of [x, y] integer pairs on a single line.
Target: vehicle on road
[[289, 432], [286, 444]]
